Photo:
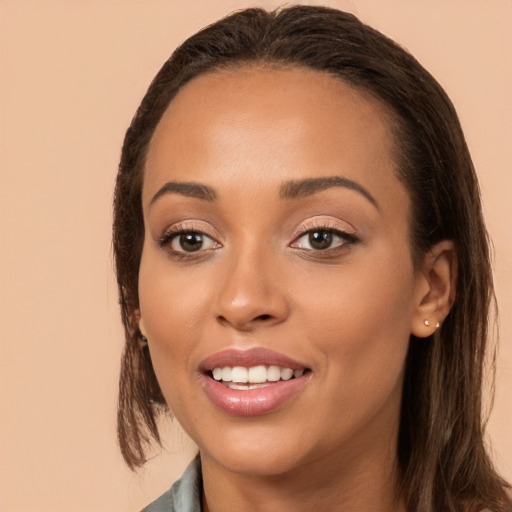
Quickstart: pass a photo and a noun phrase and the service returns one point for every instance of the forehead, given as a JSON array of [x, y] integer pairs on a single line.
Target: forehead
[[287, 123]]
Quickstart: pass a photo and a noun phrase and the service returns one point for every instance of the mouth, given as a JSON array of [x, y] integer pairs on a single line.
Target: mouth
[[253, 377], [252, 382]]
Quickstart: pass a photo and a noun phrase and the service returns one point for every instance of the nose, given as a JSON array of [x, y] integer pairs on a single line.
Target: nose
[[250, 294]]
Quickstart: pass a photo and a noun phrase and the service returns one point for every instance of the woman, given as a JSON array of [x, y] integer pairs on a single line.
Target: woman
[[304, 273]]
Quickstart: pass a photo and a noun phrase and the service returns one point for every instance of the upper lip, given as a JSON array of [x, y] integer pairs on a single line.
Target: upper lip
[[249, 357]]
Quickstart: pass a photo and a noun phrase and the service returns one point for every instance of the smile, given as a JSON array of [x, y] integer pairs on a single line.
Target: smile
[[252, 382], [254, 377]]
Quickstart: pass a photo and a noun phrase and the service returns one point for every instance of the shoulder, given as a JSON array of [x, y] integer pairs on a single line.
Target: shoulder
[[184, 495]]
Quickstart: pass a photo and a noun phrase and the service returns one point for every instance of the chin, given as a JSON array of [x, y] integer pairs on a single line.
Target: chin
[[258, 450], [257, 464]]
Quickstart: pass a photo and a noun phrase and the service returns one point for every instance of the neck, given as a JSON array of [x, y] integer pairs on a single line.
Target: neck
[[357, 484]]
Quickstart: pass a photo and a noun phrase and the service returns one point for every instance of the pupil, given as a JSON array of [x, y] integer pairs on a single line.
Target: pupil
[[320, 239], [191, 241]]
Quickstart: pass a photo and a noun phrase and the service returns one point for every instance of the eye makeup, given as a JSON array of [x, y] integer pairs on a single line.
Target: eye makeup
[[188, 240], [322, 238]]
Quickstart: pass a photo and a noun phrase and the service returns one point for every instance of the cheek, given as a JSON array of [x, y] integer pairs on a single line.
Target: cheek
[[171, 308], [361, 318], [172, 339], [172, 301]]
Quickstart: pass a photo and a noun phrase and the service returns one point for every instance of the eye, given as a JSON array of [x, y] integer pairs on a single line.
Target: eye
[[322, 239], [181, 241]]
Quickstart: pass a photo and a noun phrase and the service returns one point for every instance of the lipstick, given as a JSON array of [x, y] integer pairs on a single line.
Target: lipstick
[[252, 382]]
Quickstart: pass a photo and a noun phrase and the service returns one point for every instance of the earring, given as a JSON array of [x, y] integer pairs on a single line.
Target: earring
[[427, 324]]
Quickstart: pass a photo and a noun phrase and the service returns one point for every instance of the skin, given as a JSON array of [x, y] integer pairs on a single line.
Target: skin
[[346, 312]]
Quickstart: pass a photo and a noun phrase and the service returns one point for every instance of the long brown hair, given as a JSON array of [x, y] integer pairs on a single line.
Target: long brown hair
[[441, 452]]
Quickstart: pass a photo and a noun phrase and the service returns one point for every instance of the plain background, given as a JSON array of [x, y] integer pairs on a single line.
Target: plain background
[[71, 76]]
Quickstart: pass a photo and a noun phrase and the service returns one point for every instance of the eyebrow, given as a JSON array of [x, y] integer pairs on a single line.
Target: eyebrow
[[188, 189], [289, 190], [309, 186]]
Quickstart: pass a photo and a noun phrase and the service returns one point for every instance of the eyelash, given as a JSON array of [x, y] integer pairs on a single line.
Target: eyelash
[[346, 237], [166, 240]]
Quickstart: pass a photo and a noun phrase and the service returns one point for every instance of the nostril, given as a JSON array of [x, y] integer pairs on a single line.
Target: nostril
[[245, 323]]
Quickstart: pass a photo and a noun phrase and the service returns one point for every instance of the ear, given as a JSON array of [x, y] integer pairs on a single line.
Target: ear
[[138, 321], [142, 329], [143, 340], [435, 291]]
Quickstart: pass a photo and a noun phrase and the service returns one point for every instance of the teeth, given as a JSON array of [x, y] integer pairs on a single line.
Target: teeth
[[256, 375], [226, 374], [245, 387], [286, 373], [273, 373], [239, 374]]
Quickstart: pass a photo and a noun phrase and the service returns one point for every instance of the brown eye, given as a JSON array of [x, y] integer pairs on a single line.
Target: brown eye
[[190, 242], [320, 240], [323, 239]]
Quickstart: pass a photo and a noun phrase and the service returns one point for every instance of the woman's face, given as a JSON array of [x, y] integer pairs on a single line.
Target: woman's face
[[277, 243]]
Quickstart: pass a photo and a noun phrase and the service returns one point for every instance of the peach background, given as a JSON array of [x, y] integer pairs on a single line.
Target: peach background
[[72, 74]]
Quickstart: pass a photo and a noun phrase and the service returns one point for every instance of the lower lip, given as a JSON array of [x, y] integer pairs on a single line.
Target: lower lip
[[253, 402]]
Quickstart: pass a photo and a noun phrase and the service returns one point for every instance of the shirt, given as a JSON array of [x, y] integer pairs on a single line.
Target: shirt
[[184, 495]]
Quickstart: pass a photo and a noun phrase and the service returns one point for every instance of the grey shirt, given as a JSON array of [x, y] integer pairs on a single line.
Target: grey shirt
[[184, 495]]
